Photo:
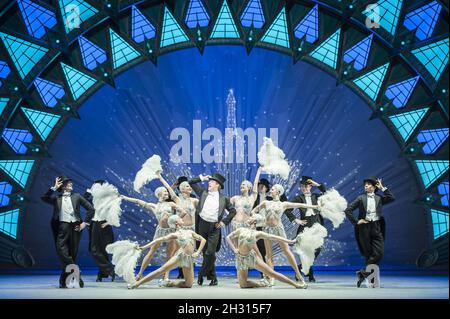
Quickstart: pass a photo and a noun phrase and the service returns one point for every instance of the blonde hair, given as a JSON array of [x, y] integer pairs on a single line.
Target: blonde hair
[[183, 185], [248, 184], [279, 188], [159, 190]]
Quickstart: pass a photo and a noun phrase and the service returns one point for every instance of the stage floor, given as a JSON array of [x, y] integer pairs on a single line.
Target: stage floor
[[328, 286]]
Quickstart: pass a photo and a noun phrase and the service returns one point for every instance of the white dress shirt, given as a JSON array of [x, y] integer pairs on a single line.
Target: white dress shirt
[[210, 211], [309, 211], [371, 208], [67, 213]]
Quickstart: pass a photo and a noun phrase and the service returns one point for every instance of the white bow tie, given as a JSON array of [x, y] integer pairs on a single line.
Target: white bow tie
[[372, 195], [307, 195]]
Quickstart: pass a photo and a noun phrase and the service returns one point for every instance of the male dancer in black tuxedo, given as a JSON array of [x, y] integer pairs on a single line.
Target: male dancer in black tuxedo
[[370, 227], [100, 235], [209, 219], [66, 221], [308, 217]]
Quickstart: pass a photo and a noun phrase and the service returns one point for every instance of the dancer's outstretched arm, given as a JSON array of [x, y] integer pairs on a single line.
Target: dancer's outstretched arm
[[263, 235], [230, 238], [143, 204], [254, 193], [288, 205], [159, 240], [172, 194], [258, 208]]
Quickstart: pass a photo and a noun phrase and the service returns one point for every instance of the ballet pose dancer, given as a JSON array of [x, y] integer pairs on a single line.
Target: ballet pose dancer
[[244, 203], [184, 257], [162, 210], [247, 256], [274, 210]]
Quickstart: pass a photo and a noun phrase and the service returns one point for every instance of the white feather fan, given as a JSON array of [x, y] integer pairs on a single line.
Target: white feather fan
[[147, 172], [107, 201], [332, 206], [125, 255], [272, 159], [308, 241]]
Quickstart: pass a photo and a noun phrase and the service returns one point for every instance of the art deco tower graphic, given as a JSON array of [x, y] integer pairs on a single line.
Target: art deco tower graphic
[[231, 110]]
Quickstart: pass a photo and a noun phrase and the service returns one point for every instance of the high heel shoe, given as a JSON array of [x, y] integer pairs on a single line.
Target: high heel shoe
[[131, 286]]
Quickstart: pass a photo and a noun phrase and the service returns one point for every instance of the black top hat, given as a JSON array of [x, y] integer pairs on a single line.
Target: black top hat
[[265, 182], [304, 180], [218, 178], [180, 180], [64, 179], [372, 180]]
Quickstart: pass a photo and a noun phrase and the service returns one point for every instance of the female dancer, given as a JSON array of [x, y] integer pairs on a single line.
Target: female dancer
[[274, 210], [247, 257], [184, 200], [244, 202], [162, 210], [183, 258]]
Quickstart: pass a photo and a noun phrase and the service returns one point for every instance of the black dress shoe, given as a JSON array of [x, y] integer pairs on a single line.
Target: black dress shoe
[[361, 278], [81, 283], [311, 279], [99, 277], [214, 282], [200, 280], [62, 280], [113, 276]]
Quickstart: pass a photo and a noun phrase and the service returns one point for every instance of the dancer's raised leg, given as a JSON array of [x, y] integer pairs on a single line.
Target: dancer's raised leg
[[169, 265], [147, 259], [268, 271], [291, 259], [170, 251]]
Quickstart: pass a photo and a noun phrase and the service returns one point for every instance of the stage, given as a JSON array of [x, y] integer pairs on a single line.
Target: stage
[[329, 285]]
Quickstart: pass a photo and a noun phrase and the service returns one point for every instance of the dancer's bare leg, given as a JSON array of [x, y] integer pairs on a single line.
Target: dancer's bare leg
[[146, 260], [269, 255], [170, 251], [169, 265], [256, 249], [188, 274], [268, 271], [291, 259], [244, 282], [269, 252]]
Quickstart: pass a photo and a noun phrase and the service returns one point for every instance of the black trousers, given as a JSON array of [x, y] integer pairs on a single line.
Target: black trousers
[[67, 241], [212, 235], [371, 242], [99, 238]]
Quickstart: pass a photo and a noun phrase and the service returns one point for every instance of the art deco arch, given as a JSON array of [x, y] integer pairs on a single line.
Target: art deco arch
[[54, 54]]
